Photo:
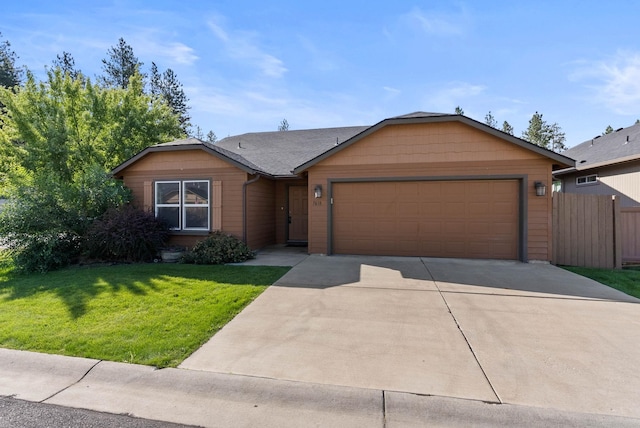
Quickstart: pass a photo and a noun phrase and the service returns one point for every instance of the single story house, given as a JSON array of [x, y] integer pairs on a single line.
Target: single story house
[[422, 184], [606, 165]]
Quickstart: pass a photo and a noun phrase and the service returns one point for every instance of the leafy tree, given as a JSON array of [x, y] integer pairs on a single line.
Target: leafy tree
[[459, 110], [10, 75], [490, 120], [543, 134], [284, 125], [608, 130], [211, 137], [507, 128], [167, 86], [67, 64], [59, 138], [120, 65]]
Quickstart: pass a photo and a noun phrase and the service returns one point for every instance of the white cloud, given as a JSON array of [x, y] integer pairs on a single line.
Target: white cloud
[[452, 95], [438, 24], [241, 46], [615, 82]]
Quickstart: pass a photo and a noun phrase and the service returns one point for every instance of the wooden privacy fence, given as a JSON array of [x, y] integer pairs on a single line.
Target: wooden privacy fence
[[630, 234], [587, 230]]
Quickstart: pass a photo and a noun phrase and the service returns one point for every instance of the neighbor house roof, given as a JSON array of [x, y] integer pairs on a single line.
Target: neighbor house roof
[[191, 144], [425, 117], [280, 152], [623, 145]]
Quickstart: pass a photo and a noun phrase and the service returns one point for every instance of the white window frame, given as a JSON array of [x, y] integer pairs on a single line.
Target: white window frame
[[182, 205], [178, 205], [185, 205], [587, 180]]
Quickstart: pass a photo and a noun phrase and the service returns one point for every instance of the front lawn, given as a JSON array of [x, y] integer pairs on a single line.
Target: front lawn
[[154, 314], [625, 280]]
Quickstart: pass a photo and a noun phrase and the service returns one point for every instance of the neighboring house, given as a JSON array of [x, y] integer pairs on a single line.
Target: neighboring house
[[423, 184], [606, 165]]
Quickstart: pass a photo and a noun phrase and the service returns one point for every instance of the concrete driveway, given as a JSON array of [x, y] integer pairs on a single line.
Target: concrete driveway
[[495, 331]]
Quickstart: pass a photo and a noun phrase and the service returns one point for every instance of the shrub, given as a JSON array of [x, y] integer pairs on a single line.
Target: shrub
[[45, 251], [219, 248], [126, 234]]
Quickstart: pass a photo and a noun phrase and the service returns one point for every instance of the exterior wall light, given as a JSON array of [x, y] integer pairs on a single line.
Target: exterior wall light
[[541, 188], [317, 192]]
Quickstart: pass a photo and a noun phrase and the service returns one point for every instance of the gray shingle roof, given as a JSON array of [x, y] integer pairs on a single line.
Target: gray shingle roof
[[619, 146], [190, 144], [279, 152]]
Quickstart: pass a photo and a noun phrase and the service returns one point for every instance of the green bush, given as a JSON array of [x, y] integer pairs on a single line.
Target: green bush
[[126, 234], [219, 248], [46, 251]]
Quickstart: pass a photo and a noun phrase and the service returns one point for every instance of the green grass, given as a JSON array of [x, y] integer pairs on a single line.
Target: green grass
[[625, 280], [154, 314]]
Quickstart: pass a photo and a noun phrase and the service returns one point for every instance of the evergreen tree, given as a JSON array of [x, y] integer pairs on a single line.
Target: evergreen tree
[[211, 137], [167, 86], [67, 64], [549, 136], [10, 75], [507, 128], [490, 120], [120, 65], [284, 125], [459, 110], [608, 130]]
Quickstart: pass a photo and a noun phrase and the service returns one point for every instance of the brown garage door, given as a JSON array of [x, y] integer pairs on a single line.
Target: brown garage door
[[467, 219]]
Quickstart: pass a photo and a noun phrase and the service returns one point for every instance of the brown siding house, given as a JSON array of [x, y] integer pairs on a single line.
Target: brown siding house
[[423, 184]]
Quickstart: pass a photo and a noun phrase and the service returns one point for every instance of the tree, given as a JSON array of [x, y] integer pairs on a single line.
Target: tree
[[120, 65], [167, 87], [67, 64], [284, 125], [608, 130], [10, 75], [198, 133], [490, 120], [507, 128], [459, 110], [549, 136], [59, 140], [211, 137]]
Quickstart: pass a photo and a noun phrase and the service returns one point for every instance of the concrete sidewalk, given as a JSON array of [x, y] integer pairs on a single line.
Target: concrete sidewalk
[[221, 400]]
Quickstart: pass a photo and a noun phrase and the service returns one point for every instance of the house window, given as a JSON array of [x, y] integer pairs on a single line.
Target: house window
[[184, 205], [587, 179]]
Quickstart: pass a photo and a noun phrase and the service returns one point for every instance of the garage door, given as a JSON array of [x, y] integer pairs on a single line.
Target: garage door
[[466, 219]]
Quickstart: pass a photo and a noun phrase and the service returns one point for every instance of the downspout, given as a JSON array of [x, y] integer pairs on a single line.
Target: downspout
[[244, 206]]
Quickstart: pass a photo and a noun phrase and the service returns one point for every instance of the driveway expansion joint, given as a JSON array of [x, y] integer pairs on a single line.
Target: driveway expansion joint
[[484, 373]]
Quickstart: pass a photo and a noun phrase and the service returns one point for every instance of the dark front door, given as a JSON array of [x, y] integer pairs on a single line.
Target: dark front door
[[298, 213]]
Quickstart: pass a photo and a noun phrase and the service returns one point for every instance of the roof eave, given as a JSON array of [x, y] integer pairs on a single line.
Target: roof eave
[[602, 164], [561, 159]]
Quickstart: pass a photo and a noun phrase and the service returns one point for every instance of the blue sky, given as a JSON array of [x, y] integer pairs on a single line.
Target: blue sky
[[246, 65]]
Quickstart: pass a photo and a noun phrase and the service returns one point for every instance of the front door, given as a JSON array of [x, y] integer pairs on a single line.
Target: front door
[[298, 213]]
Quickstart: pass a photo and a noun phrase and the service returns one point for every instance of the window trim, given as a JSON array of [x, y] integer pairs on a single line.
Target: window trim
[[182, 205], [185, 205], [157, 205], [588, 180]]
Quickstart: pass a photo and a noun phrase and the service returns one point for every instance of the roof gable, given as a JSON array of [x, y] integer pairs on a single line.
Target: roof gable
[[425, 118], [194, 144]]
